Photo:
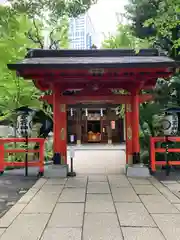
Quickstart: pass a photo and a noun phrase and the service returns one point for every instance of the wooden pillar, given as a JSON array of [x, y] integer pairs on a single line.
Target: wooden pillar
[[128, 130], [78, 125], [135, 128], [109, 126], [60, 127]]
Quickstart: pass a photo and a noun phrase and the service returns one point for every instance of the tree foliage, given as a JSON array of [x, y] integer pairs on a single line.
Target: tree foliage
[[138, 11], [167, 25], [22, 25], [124, 38], [13, 44], [54, 8], [157, 20]]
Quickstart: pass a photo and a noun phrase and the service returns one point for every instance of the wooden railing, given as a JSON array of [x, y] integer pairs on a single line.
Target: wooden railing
[[3, 150], [154, 150]]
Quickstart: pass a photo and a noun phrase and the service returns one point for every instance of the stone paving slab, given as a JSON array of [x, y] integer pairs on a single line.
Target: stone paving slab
[[119, 181], [157, 204], [134, 214], [177, 206], [174, 187], [97, 178], [165, 191], [72, 195], [101, 226], [2, 230], [67, 215], [48, 189], [124, 195], [98, 187], [28, 196], [56, 181], [26, 227], [76, 182], [62, 233], [42, 203], [39, 183], [99, 203], [168, 182], [10, 216], [139, 181], [146, 190], [130, 233], [169, 224]]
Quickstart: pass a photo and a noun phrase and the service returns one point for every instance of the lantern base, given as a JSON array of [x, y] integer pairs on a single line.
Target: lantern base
[[138, 170], [56, 171]]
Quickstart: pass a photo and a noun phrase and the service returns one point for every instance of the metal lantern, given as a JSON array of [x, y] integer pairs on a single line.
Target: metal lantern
[[24, 125], [170, 122], [169, 128], [24, 128]]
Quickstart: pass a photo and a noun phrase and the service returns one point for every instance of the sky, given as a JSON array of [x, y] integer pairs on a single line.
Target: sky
[[103, 14], [103, 17]]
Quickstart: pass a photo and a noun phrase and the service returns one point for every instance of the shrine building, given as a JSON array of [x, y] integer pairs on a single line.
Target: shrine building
[[85, 88]]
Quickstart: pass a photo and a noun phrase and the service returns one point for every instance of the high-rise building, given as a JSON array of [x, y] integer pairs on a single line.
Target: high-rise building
[[81, 32]]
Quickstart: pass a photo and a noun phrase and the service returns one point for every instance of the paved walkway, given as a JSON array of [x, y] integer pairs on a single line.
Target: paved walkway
[[95, 207], [100, 205]]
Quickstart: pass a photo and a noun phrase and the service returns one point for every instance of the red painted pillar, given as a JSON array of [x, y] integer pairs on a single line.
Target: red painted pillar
[[60, 128], [135, 128], [128, 126]]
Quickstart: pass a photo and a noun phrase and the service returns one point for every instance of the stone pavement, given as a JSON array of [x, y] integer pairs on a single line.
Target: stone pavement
[[95, 207], [101, 203]]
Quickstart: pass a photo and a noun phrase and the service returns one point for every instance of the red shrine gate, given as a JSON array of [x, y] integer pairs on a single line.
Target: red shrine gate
[[83, 76]]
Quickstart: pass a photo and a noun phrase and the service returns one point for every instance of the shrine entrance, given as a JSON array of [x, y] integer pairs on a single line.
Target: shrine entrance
[[96, 77]]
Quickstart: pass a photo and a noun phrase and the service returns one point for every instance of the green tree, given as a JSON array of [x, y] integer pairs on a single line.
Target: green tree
[[51, 16], [167, 25], [124, 39], [138, 11], [13, 44], [55, 9], [157, 21]]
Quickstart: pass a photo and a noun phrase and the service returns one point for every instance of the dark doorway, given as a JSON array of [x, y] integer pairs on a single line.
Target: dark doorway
[[94, 126]]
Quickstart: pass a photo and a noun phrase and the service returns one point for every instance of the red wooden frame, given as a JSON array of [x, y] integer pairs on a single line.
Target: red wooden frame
[[154, 150], [39, 163], [128, 124], [119, 99]]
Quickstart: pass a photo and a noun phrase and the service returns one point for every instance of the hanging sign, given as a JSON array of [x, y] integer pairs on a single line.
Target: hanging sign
[[113, 125]]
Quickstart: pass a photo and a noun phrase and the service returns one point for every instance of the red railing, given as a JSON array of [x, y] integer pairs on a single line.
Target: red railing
[[4, 163], [154, 150]]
